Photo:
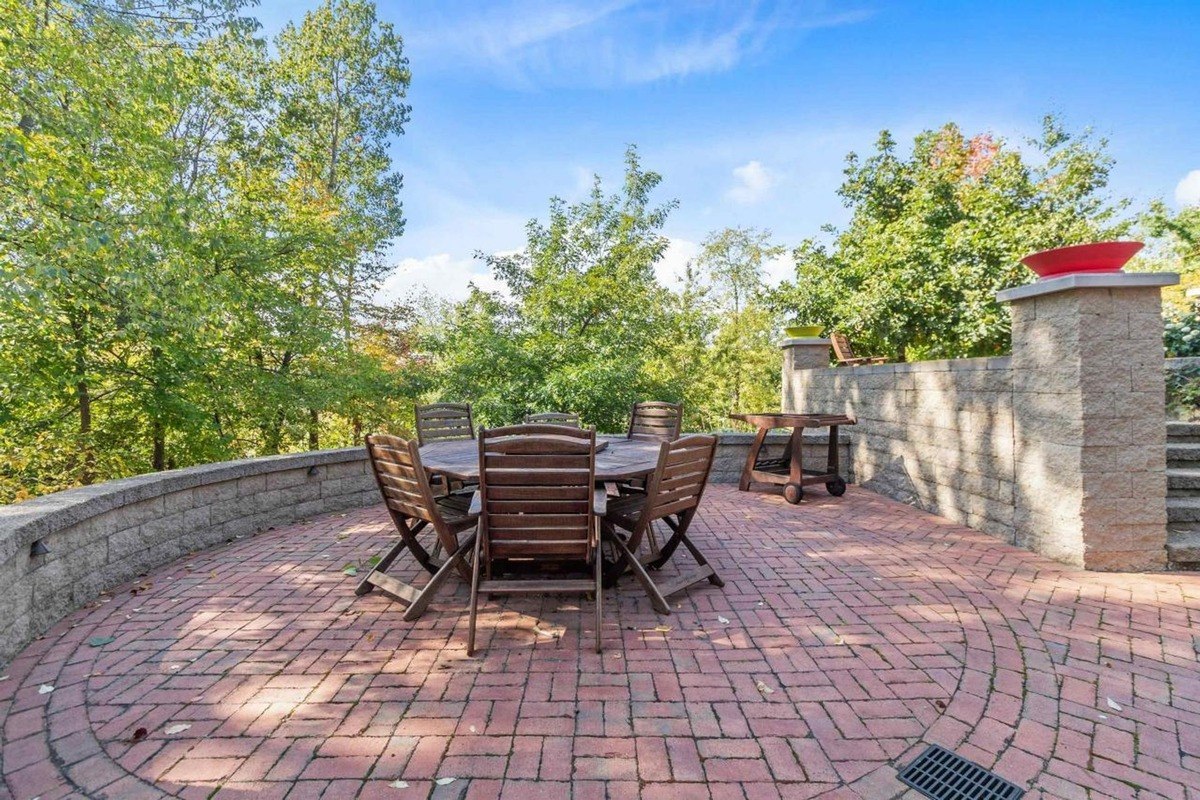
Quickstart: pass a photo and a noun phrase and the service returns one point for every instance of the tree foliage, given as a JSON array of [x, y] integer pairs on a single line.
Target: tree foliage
[[935, 234], [192, 226]]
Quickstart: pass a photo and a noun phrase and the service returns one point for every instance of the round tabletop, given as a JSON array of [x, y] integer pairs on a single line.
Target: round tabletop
[[620, 460]]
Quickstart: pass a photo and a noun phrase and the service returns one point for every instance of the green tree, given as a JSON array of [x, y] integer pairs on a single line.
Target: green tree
[[742, 363], [584, 318], [934, 235]]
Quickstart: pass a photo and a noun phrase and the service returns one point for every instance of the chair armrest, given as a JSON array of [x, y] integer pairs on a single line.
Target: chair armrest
[[476, 507], [600, 503]]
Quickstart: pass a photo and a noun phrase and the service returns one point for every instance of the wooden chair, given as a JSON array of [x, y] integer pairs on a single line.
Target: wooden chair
[[410, 502], [536, 502], [672, 495], [656, 421], [552, 418], [440, 422], [845, 354], [445, 422]]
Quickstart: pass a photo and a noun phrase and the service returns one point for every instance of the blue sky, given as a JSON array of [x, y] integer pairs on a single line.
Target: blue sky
[[748, 109]]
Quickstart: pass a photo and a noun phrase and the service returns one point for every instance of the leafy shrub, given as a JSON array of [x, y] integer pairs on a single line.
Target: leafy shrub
[[1181, 334], [1183, 393]]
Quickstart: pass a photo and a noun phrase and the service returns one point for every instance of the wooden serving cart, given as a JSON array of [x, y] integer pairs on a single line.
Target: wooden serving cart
[[788, 471]]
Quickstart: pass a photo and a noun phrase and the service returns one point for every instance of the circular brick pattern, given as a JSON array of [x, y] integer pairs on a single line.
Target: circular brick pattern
[[850, 633]]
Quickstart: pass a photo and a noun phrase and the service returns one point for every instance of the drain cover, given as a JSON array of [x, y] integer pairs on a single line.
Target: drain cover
[[942, 775]]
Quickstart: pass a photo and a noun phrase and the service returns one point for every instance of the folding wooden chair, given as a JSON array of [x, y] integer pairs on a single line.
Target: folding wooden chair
[[410, 501], [440, 422], [845, 354], [537, 502], [656, 421], [445, 422], [552, 418], [672, 495]]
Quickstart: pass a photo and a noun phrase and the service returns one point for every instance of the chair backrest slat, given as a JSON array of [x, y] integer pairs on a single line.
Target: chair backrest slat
[[440, 422], [841, 346], [401, 478], [552, 418], [536, 485], [678, 482], [655, 420]]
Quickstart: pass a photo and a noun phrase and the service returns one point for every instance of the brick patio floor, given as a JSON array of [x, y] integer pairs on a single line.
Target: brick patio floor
[[850, 633]]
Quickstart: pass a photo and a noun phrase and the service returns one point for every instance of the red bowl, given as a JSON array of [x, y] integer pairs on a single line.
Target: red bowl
[[1097, 257]]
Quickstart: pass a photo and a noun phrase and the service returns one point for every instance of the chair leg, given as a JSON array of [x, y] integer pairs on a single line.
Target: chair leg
[[656, 598], [366, 585], [474, 597], [713, 577], [418, 606], [599, 599]]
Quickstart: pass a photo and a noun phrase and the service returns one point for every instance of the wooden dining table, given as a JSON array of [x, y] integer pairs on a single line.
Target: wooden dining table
[[618, 458]]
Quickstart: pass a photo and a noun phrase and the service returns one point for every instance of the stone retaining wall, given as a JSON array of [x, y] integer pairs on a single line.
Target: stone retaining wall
[[103, 535], [936, 434]]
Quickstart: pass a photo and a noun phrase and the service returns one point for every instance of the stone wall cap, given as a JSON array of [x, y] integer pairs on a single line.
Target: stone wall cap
[[1088, 280], [41, 516], [805, 342]]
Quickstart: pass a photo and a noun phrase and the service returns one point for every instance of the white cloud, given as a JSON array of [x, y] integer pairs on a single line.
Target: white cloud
[[441, 275], [1187, 193], [534, 43], [672, 267], [752, 181]]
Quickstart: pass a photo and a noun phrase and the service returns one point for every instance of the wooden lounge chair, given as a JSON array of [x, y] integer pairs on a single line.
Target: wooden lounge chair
[[536, 502], [656, 421], [440, 422], [845, 354], [410, 501], [552, 418], [672, 495]]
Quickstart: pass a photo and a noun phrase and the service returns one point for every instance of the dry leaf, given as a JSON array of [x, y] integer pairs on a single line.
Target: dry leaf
[[399, 784], [45, 688], [174, 729], [762, 687], [663, 628], [445, 781], [213, 574], [547, 634], [138, 735], [1113, 704], [722, 620], [100, 641]]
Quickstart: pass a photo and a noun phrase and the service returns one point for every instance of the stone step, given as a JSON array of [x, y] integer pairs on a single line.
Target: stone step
[[1183, 482], [1183, 432], [1183, 548], [1184, 455], [1183, 509]]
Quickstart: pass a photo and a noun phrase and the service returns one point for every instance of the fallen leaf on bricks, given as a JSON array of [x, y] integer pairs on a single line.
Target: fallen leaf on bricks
[[1114, 705], [174, 729], [445, 781], [45, 688], [138, 735], [399, 784], [100, 641], [762, 687], [722, 620]]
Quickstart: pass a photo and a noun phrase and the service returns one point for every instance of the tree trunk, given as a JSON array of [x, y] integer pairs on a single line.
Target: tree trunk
[[314, 423], [158, 461], [83, 397]]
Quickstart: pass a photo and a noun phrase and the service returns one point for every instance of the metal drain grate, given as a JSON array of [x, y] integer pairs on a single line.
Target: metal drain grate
[[942, 775]]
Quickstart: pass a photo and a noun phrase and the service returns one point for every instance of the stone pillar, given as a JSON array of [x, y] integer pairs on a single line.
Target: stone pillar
[[1089, 419], [801, 354]]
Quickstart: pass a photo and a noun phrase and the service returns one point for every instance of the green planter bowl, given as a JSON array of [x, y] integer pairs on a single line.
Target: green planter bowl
[[803, 331]]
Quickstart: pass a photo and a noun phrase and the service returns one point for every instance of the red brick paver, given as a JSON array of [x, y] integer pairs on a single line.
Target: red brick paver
[[850, 633]]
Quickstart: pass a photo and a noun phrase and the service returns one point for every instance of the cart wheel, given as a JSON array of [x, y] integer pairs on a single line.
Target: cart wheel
[[836, 487], [793, 493]]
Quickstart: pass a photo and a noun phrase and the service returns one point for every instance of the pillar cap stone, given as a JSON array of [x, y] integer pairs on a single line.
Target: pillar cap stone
[[1088, 280], [805, 342]]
